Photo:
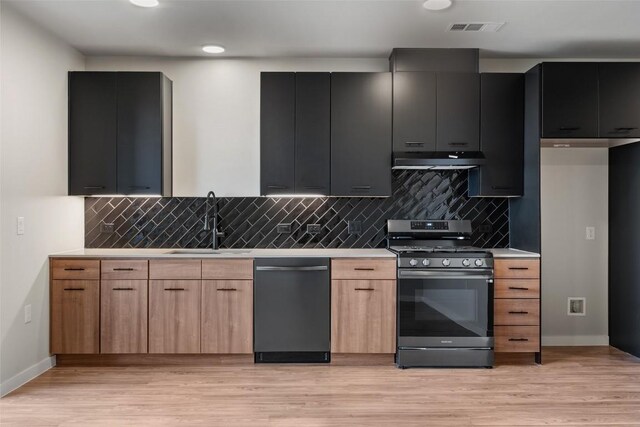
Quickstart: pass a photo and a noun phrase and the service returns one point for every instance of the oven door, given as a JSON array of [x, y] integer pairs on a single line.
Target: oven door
[[445, 308]]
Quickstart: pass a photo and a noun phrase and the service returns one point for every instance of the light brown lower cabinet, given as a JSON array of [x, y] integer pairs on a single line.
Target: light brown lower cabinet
[[227, 316], [363, 316], [75, 326], [123, 316], [174, 316]]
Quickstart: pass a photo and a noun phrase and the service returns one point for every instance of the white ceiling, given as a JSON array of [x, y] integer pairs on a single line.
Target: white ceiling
[[340, 28]]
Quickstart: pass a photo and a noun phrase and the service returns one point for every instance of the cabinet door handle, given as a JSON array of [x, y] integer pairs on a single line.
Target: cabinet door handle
[[414, 144], [622, 130], [313, 187], [74, 289], [226, 290], [277, 187], [139, 187], [74, 269], [501, 187], [518, 288], [364, 289], [364, 269], [518, 339], [361, 187], [123, 269], [569, 128], [518, 312], [174, 289], [122, 289], [518, 268], [458, 144], [94, 187]]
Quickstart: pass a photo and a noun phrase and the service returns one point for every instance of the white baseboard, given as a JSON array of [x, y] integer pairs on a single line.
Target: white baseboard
[[27, 375], [575, 340]]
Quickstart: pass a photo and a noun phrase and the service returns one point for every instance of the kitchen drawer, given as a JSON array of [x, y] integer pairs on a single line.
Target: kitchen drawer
[[72, 269], [517, 268], [363, 269], [124, 270], [517, 288], [516, 312], [514, 339], [175, 269], [231, 269]]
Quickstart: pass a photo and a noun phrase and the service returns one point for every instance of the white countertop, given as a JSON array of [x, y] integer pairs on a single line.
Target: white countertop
[[513, 253], [225, 253]]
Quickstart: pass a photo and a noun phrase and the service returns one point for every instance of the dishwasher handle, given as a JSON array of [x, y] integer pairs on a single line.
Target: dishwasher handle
[[283, 268]]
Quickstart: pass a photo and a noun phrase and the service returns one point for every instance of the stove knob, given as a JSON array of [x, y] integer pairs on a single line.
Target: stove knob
[[413, 262], [478, 263], [426, 262], [466, 262], [446, 262]]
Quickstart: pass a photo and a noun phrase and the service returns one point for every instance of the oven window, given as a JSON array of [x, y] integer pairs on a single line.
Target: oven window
[[443, 308]]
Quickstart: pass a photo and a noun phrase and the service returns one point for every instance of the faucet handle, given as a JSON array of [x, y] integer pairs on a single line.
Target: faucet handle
[[220, 233]]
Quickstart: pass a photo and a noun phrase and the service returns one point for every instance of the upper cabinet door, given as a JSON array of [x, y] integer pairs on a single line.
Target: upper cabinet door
[[140, 133], [501, 136], [312, 133], [458, 112], [414, 111], [569, 100], [619, 100], [361, 134], [92, 133], [277, 133]]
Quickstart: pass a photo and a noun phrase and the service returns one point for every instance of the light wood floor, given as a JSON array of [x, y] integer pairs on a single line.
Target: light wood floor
[[576, 386]]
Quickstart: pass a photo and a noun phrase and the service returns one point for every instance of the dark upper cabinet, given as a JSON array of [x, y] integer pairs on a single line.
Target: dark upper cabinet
[[361, 134], [501, 136], [277, 133], [619, 100], [569, 100], [414, 111], [120, 133], [458, 112], [313, 133], [92, 133]]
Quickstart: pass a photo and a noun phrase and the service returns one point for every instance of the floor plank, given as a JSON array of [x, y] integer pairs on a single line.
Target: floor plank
[[576, 386]]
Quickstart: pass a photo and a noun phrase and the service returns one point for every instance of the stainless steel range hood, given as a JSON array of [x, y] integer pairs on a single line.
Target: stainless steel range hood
[[438, 160]]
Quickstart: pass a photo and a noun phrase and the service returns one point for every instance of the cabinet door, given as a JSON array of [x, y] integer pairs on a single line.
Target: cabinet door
[[277, 132], [123, 316], [313, 133], [140, 133], [75, 309], [92, 133], [361, 134], [501, 136], [363, 316], [414, 112], [174, 316], [619, 97], [458, 112], [569, 100], [227, 316]]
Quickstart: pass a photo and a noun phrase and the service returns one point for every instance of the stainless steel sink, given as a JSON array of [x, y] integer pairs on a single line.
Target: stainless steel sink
[[208, 252]]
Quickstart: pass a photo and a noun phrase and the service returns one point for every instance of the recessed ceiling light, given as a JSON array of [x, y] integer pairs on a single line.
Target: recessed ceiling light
[[145, 3], [212, 48], [436, 4]]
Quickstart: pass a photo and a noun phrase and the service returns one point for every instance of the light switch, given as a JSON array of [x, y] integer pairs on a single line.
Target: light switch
[[591, 233], [20, 226]]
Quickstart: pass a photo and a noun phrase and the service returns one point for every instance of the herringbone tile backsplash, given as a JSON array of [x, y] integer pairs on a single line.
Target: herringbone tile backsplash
[[250, 222]]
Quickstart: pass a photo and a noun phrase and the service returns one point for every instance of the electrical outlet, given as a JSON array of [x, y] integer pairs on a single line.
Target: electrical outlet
[[314, 228], [27, 313], [20, 226], [591, 233], [284, 228], [576, 306], [107, 227], [354, 227]]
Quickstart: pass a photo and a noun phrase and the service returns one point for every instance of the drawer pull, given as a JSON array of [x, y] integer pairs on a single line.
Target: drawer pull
[[364, 269], [139, 187], [569, 128], [519, 339], [122, 289], [361, 187], [415, 144], [94, 187], [277, 187], [123, 269], [74, 289], [226, 289], [174, 289], [518, 288], [518, 268], [74, 269], [518, 312], [364, 289], [458, 144]]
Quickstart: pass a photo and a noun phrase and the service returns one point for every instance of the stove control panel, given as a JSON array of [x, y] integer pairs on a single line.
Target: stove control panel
[[448, 261], [429, 225]]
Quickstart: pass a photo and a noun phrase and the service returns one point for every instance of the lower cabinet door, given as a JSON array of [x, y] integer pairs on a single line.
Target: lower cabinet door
[[363, 316], [123, 316], [174, 316], [517, 339], [75, 325], [227, 316]]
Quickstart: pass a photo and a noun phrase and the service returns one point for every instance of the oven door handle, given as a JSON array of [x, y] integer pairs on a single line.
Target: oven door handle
[[427, 274]]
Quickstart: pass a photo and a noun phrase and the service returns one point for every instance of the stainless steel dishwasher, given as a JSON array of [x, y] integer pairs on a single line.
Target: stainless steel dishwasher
[[292, 310]]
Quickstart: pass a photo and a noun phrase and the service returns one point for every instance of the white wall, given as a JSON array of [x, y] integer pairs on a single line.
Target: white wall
[[216, 115], [33, 174], [574, 195]]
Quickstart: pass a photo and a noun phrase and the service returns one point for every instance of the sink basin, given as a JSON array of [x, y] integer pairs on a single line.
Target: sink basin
[[207, 251]]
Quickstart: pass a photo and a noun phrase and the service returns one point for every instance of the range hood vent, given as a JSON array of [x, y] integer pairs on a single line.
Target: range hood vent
[[490, 27], [438, 160]]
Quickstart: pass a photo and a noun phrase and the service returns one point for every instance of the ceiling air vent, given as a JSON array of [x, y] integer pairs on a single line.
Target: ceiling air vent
[[476, 26]]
